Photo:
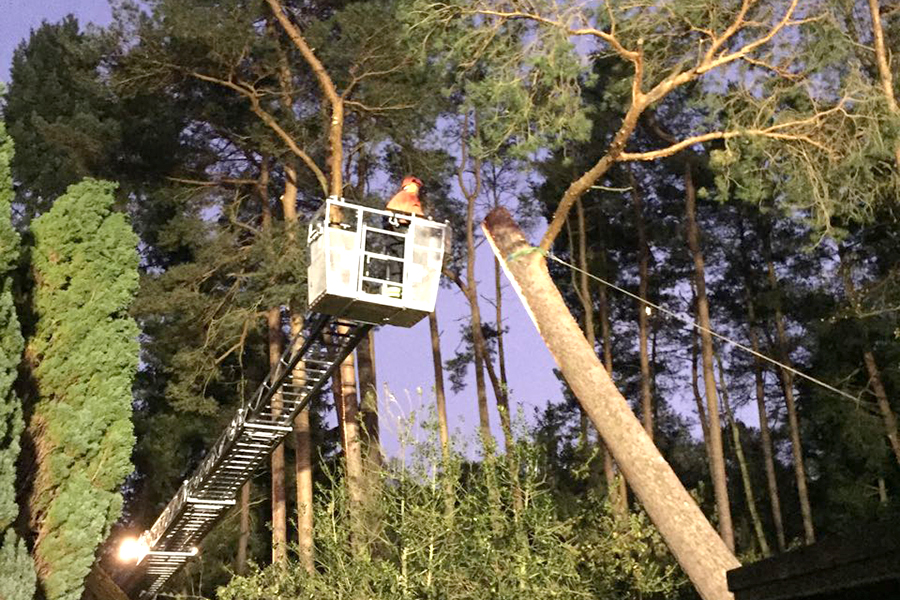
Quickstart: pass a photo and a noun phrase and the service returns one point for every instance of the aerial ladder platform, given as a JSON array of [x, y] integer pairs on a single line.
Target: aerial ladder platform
[[367, 267]]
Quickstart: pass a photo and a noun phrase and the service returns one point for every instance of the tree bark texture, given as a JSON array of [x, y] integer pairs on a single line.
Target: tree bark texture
[[240, 563], [279, 510], [887, 415], [368, 389], [717, 454], [888, 418], [698, 398], [764, 434], [693, 541], [643, 316], [303, 460], [787, 382], [348, 407], [617, 488], [742, 464], [441, 402]]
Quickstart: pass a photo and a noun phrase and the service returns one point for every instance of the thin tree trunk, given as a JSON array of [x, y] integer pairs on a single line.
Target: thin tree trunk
[[617, 488], [887, 415], [643, 316], [368, 386], [884, 406], [279, 511], [370, 441], [693, 542], [240, 566], [440, 397], [717, 464], [470, 289], [787, 381], [764, 434], [698, 398], [583, 291], [348, 407], [742, 464], [441, 401], [882, 492], [303, 460]]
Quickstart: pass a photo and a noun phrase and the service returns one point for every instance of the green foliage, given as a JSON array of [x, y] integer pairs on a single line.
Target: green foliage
[[85, 354], [481, 550], [58, 111], [16, 569], [523, 82], [17, 578]]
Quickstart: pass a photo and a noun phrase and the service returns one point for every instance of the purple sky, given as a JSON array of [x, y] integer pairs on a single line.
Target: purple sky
[[403, 355]]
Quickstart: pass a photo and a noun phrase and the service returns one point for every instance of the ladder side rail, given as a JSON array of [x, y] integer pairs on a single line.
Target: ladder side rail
[[227, 441], [290, 357], [222, 446]]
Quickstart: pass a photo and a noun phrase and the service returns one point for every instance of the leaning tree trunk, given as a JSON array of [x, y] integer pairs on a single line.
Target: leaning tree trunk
[[742, 464], [887, 414], [888, 418], [692, 540], [787, 382], [717, 462]]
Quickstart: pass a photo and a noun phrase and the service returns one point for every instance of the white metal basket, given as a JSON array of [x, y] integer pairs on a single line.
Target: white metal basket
[[374, 266]]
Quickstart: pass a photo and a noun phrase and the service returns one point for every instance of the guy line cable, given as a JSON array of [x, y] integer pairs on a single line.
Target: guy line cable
[[699, 327]]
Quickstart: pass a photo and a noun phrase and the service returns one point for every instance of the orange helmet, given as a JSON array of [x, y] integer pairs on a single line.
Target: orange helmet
[[410, 179]]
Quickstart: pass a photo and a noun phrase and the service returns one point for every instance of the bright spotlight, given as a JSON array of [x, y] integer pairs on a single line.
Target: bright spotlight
[[132, 550], [648, 310]]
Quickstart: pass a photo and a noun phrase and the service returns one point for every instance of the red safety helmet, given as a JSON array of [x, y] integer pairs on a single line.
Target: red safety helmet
[[410, 179]]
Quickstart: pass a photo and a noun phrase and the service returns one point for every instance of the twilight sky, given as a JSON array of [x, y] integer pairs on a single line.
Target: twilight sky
[[403, 355]]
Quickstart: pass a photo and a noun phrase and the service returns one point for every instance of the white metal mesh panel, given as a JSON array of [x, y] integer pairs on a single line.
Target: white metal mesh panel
[[343, 262]]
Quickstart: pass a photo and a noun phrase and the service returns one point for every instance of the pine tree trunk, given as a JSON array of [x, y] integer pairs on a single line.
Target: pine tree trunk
[[694, 543], [742, 464], [441, 401], [348, 407], [279, 510], [440, 397], [764, 434], [787, 382], [643, 316], [717, 464], [616, 485], [370, 434], [884, 406], [240, 566], [303, 459], [583, 289], [698, 398], [887, 415], [477, 338]]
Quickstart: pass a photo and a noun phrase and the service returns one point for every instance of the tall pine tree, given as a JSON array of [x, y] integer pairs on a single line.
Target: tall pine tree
[[16, 570], [84, 356]]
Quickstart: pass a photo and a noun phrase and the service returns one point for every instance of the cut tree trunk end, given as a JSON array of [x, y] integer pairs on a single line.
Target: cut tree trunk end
[[693, 541]]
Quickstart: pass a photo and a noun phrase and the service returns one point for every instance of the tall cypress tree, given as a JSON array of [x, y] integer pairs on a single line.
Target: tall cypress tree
[[16, 569], [84, 356]]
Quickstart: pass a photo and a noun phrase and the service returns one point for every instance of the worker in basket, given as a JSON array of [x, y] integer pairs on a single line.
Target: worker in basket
[[405, 201]]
